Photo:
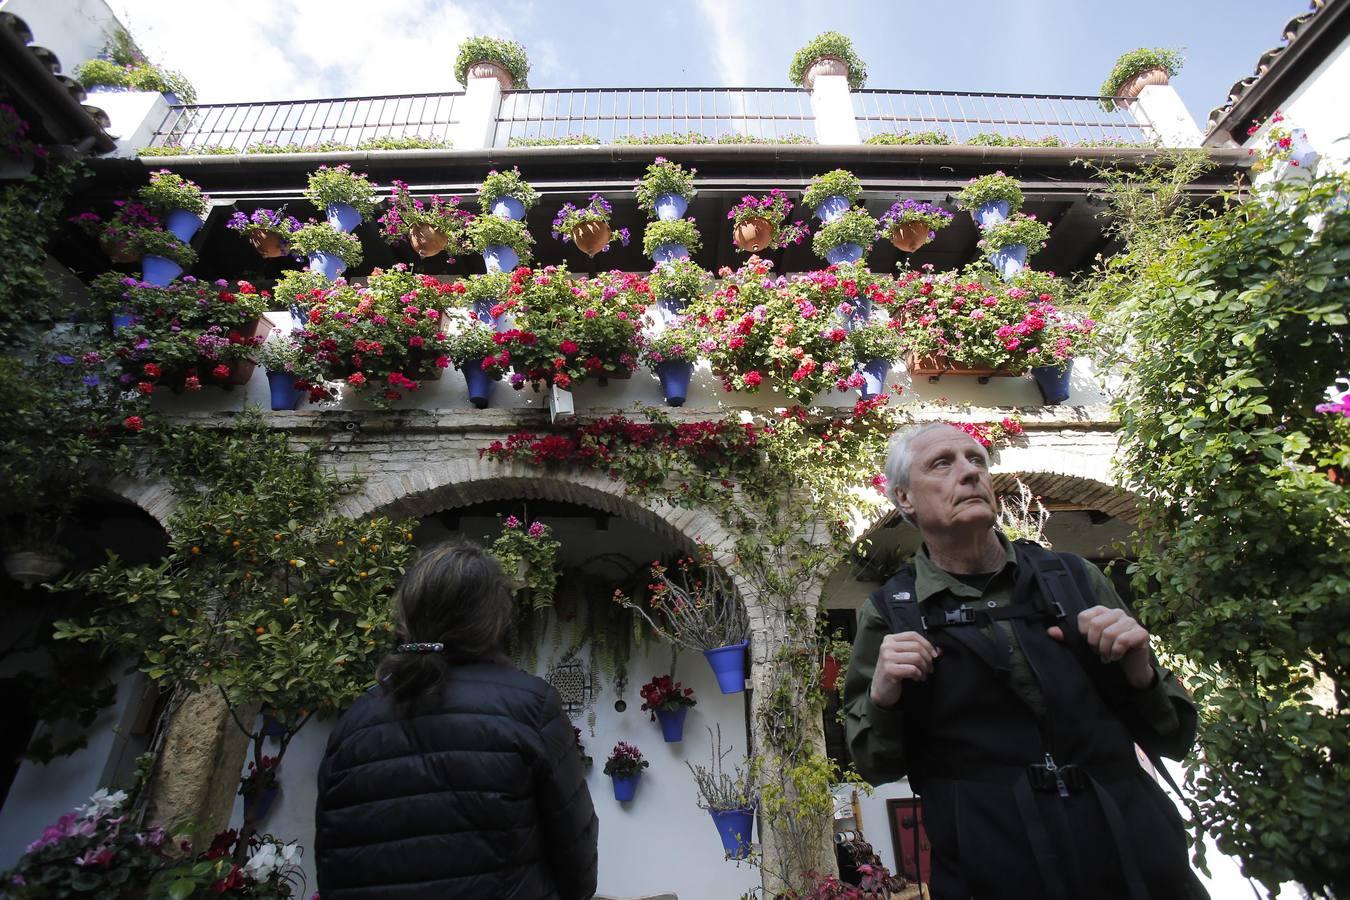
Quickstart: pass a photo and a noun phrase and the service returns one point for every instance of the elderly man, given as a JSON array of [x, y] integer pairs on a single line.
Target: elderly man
[[1010, 685]]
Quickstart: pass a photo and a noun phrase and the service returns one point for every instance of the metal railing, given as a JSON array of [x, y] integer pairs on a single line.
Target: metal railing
[[324, 124], [962, 116], [614, 115]]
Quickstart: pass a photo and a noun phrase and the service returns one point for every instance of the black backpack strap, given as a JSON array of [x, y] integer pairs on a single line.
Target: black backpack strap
[[897, 603]]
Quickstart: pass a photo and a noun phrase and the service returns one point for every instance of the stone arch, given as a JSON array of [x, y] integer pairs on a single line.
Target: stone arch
[[154, 498], [1065, 488]]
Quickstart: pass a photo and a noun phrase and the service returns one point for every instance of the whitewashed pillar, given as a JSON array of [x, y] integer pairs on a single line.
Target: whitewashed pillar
[[1160, 111], [832, 106], [478, 111]]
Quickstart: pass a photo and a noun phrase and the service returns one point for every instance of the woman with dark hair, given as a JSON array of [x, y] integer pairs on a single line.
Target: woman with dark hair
[[458, 774]]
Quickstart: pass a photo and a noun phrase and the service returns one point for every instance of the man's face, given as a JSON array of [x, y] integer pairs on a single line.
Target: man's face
[[949, 483]]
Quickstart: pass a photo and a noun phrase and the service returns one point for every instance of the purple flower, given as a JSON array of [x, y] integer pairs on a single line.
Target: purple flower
[[90, 381], [66, 359]]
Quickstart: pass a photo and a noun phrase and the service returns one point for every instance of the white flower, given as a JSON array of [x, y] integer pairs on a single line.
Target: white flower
[[102, 802], [262, 863]]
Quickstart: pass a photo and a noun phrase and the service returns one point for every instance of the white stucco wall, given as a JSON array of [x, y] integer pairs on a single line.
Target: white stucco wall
[[75, 30], [1318, 106]]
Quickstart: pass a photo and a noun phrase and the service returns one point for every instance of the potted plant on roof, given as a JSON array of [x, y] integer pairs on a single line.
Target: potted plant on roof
[[624, 766], [911, 223], [473, 350], [163, 255], [503, 243], [829, 195], [587, 226], [1008, 244], [291, 373], [846, 239], [268, 230], [668, 701], [671, 354], [330, 251], [828, 53], [430, 226], [693, 604], [676, 284], [668, 241], [729, 797], [1135, 71], [506, 194], [757, 223], [345, 197], [666, 189], [178, 201], [489, 57], [990, 198]]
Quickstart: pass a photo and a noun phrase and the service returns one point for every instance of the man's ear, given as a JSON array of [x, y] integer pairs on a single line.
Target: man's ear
[[902, 501]]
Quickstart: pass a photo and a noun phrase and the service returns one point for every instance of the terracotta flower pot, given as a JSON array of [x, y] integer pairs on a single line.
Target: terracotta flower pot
[[269, 244], [1136, 83], [934, 367], [118, 252], [591, 237], [241, 370], [826, 65], [909, 236], [754, 234], [427, 240], [492, 70]]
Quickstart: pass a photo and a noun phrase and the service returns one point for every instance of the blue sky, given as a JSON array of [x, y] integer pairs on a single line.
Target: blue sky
[[249, 50]]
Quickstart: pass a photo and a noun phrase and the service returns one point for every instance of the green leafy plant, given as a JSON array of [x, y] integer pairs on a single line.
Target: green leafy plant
[[908, 210], [1018, 228], [681, 279], [168, 191], [901, 138], [510, 55], [506, 184], [625, 761], [856, 226], [529, 554], [1022, 516], [994, 139], [388, 142], [407, 213], [678, 342], [474, 344], [681, 231], [877, 338], [285, 353], [694, 137], [988, 189], [320, 237], [1132, 63], [831, 45], [838, 183], [339, 184], [774, 208], [493, 231], [664, 177], [136, 77], [567, 140], [156, 242]]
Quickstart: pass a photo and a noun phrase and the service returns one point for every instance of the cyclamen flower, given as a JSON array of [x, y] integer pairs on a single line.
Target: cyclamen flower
[[536, 530], [512, 522]]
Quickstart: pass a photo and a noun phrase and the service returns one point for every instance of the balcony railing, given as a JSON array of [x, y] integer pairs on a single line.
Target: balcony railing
[[961, 115]]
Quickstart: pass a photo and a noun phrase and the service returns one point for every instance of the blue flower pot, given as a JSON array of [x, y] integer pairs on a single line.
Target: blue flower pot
[[264, 804], [122, 318], [328, 265], [182, 224], [995, 212], [728, 664], [844, 253], [1053, 382], [159, 271], [672, 723], [736, 828], [874, 374], [625, 786], [285, 395], [343, 217], [483, 310], [1301, 152], [675, 381], [480, 385], [670, 207], [861, 312], [667, 253], [500, 258], [832, 208], [508, 208], [1010, 260], [671, 307]]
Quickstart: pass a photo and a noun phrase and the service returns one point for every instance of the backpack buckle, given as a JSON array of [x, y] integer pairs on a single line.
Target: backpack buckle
[[962, 615], [1060, 615]]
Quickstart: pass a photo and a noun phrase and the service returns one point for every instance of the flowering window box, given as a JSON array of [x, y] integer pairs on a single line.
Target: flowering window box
[[934, 367]]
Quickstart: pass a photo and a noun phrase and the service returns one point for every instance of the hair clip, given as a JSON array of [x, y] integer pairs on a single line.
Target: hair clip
[[420, 648]]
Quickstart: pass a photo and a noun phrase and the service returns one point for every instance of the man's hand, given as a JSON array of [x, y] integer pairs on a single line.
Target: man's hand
[[907, 656], [1117, 638]]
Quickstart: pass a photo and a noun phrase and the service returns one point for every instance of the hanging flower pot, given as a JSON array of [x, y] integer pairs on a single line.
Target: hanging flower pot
[[285, 395], [241, 370], [480, 387], [33, 567], [508, 208], [118, 252], [123, 318], [995, 212], [343, 216], [159, 271], [728, 664], [672, 723], [832, 208], [182, 224], [844, 253], [500, 258], [1053, 381], [591, 237], [874, 374], [671, 307], [736, 828], [1009, 260], [329, 265], [675, 377], [257, 810], [667, 253], [427, 240], [754, 235], [269, 244], [670, 207], [910, 236], [625, 786]]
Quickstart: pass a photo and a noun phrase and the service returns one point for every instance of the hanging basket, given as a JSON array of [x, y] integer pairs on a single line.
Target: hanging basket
[[118, 252], [269, 244], [591, 237], [427, 240], [33, 567], [754, 235], [910, 236]]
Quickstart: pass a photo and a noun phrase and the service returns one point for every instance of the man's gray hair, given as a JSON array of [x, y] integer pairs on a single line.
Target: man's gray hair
[[900, 457]]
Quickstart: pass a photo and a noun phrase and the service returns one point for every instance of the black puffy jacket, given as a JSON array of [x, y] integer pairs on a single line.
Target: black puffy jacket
[[479, 795]]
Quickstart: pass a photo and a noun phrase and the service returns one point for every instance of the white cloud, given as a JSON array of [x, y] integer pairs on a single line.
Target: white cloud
[[731, 50]]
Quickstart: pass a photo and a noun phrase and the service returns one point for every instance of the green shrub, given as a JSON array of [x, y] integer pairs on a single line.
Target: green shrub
[[510, 55], [1132, 63], [828, 44]]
